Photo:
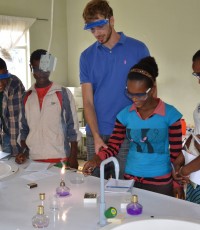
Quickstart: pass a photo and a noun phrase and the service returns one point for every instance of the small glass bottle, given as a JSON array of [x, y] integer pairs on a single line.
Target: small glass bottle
[[134, 208], [42, 198], [40, 220], [62, 190]]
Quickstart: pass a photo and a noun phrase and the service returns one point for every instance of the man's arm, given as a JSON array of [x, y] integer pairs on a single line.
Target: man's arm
[[73, 161], [24, 130], [71, 120], [14, 108], [90, 115], [191, 167]]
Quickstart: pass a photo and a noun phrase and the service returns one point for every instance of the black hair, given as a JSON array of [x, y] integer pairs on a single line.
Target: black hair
[[145, 70], [2, 64], [95, 7], [36, 55], [196, 56]]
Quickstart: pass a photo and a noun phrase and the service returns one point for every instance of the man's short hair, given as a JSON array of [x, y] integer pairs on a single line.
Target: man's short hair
[[36, 55], [196, 56], [2, 64], [95, 8]]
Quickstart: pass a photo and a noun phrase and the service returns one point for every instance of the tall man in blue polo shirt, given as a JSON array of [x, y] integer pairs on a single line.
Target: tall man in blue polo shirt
[[103, 72]]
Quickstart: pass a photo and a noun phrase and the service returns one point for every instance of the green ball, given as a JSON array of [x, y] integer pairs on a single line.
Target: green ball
[[110, 212]]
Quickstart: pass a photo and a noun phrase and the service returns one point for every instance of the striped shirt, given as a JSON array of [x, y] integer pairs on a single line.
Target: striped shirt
[[175, 146]]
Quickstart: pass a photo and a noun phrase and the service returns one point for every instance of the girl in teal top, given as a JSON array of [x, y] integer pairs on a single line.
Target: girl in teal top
[[153, 129]]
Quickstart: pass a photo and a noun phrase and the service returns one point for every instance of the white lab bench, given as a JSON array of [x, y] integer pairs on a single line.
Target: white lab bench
[[18, 204]]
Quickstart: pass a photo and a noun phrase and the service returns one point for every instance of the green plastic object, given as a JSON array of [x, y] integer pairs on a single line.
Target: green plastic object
[[60, 164], [110, 212]]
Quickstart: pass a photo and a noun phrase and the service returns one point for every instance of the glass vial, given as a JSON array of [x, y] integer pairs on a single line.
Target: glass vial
[[134, 208], [40, 220], [62, 190]]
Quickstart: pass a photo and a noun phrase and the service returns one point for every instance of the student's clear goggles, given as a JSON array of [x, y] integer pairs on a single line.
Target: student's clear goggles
[[139, 96], [98, 23]]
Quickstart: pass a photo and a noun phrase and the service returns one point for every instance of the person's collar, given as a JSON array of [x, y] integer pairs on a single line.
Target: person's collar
[[121, 40], [54, 87], [160, 109]]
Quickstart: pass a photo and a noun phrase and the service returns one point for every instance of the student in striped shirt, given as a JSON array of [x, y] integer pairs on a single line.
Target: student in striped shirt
[[153, 128]]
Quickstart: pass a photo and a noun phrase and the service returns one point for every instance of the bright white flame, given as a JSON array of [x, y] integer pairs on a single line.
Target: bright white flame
[[63, 169]]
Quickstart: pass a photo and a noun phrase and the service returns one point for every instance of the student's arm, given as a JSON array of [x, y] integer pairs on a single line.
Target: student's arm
[[73, 161], [114, 144], [22, 156], [175, 141], [191, 167], [14, 109], [73, 133], [90, 115]]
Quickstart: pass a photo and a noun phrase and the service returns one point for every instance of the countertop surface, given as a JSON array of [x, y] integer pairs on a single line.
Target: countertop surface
[[18, 203]]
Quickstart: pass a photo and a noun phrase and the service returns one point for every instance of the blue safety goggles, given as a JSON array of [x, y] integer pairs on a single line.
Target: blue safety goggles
[[91, 25], [5, 75]]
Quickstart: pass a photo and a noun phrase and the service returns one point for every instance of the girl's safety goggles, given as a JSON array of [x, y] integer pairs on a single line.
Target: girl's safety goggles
[[139, 96]]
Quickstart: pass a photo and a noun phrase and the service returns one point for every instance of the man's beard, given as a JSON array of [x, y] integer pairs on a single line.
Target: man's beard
[[109, 36]]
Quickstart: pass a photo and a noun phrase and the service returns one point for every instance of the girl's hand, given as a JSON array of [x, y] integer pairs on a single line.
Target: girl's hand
[[89, 166]]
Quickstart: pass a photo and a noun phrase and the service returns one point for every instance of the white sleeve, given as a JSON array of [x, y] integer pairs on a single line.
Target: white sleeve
[[196, 117], [74, 113]]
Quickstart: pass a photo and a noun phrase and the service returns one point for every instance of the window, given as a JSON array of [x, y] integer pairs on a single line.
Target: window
[[19, 62], [14, 45]]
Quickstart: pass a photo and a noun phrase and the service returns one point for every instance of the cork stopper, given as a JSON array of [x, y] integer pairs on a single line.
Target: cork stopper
[[42, 196], [40, 209], [134, 199]]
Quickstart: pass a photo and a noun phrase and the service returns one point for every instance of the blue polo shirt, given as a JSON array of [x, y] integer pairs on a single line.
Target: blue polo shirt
[[107, 70]]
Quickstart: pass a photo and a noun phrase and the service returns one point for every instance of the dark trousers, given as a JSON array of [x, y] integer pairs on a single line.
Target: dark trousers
[[162, 189]]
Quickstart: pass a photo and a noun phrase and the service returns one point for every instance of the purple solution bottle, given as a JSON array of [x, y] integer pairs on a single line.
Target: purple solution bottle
[[134, 208], [62, 190]]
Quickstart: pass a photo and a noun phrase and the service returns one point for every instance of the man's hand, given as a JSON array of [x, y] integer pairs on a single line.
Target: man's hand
[[73, 162], [178, 176], [99, 144], [90, 165], [179, 192], [20, 158]]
